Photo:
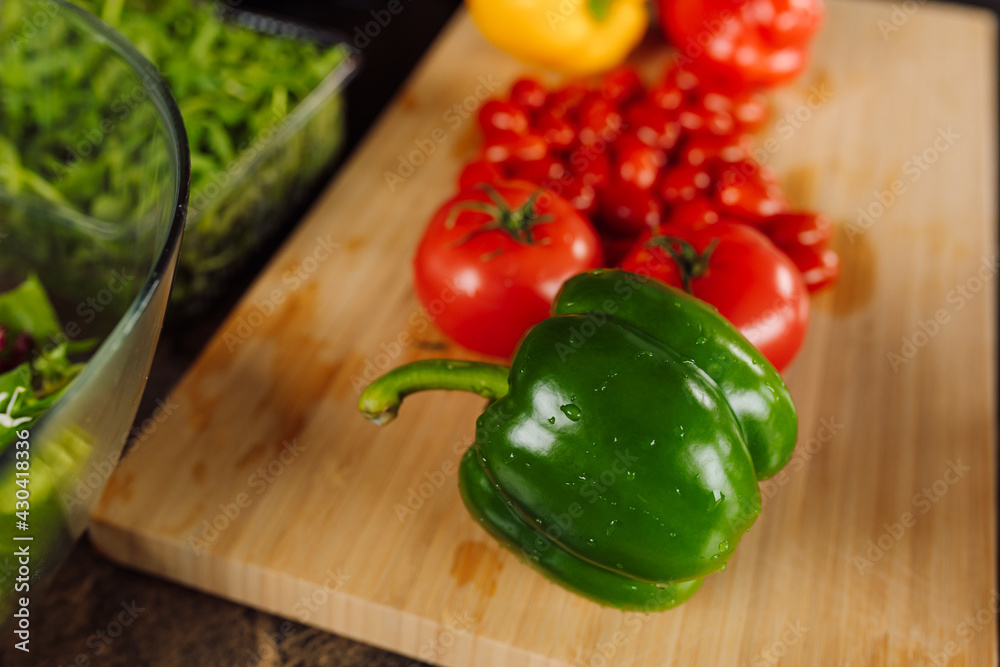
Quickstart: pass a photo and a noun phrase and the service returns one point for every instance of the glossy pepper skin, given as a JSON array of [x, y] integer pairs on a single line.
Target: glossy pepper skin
[[620, 453], [578, 38]]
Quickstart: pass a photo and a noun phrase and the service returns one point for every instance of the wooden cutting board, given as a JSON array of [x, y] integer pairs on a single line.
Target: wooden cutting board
[[877, 545]]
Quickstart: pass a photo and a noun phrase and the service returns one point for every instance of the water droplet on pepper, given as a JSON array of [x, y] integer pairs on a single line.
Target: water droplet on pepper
[[572, 411]]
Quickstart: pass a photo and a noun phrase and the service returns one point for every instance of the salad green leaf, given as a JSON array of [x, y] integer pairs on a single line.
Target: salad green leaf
[[39, 380], [27, 308], [77, 130]]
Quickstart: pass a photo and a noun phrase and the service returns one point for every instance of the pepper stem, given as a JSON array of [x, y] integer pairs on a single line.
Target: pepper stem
[[690, 263], [380, 401]]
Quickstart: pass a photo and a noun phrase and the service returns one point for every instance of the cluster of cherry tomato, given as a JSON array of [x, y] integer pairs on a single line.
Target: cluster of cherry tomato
[[662, 181], [631, 158]]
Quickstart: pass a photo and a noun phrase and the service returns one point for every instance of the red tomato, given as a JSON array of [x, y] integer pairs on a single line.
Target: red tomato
[[736, 269], [697, 210], [683, 182], [616, 247], [637, 162], [565, 100], [556, 129], [529, 94], [682, 79], [747, 190], [798, 229], [520, 149], [820, 266], [599, 120], [750, 110], [628, 210], [667, 96], [582, 195], [704, 148], [502, 121], [545, 172], [755, 43], [591, 165], [479, 171], [620, 85], [628, 202], [486, 276], [710, 114], [652, 125]]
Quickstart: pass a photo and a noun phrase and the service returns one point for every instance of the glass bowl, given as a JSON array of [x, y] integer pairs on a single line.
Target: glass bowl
[[104, 249]]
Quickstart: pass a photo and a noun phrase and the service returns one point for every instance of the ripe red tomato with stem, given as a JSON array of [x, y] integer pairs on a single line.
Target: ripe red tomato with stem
[[738, 270], [493, 258]]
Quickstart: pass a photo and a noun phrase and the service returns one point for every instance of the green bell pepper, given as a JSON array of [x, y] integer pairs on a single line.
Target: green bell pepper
[[621, 452]]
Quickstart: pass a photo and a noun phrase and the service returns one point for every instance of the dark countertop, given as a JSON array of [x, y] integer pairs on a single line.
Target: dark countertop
[[95, 613]]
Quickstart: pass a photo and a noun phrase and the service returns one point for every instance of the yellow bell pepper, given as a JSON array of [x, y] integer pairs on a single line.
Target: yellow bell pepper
[[576, 37]]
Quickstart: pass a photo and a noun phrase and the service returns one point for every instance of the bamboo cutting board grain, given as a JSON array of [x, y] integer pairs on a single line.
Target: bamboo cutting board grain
[[877, 545]]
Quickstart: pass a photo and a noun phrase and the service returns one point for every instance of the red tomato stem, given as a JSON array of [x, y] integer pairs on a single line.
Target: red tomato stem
[[690, 263], [518, 223]]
